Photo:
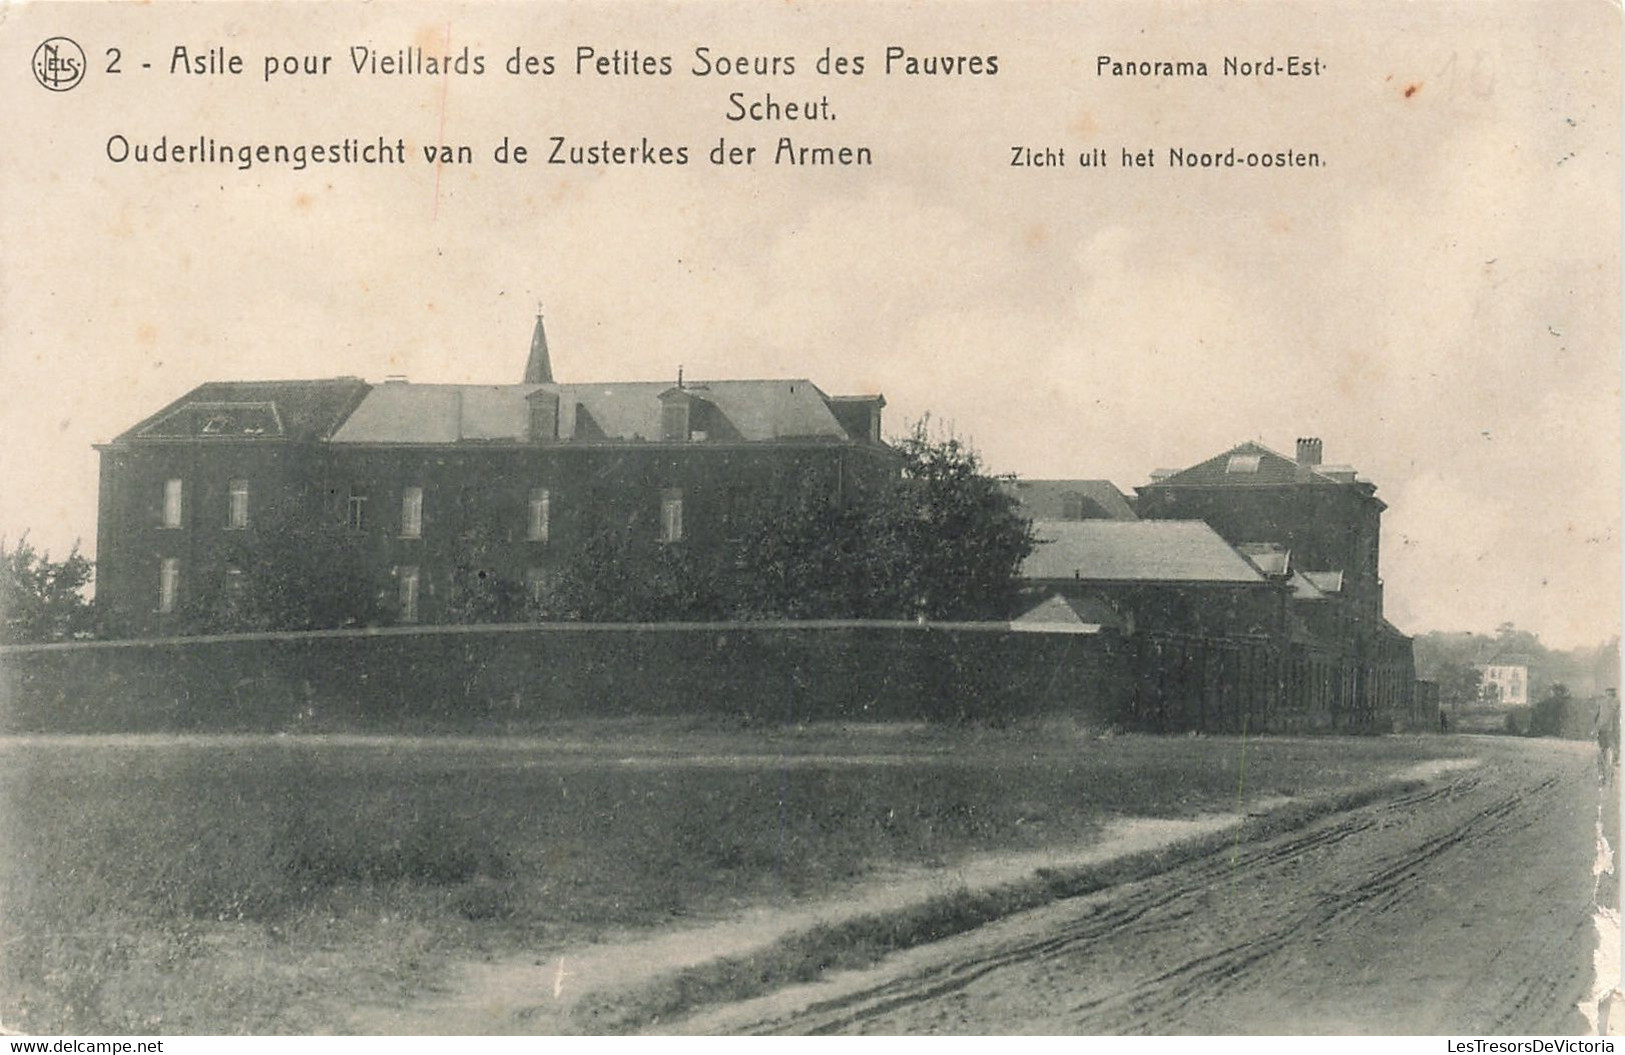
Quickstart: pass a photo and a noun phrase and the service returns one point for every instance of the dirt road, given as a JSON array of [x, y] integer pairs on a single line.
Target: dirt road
[[1465, 908]]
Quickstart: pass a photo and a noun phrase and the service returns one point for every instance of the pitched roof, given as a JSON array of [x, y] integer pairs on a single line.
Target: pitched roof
[[272, 410], [1060, 614], [773, 410], [1164, 551], [398, 412], [1304, 589], [1251, 465], [749, 411], [1066, 499], [1394, 631], [1325, 581], [1271, 558]]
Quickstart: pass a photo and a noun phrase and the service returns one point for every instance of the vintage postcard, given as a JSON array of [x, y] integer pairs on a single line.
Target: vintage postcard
[[898, 518]]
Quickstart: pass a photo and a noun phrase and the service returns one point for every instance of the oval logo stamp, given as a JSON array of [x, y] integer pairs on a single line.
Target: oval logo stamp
[[59, 64]]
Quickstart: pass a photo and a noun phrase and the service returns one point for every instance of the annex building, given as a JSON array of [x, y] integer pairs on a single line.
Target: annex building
[[1247, 586], [374, 498], [1505, 674], [1315, 529]]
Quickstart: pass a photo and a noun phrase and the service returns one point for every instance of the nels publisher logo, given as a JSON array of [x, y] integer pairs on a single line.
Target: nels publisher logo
[[59, 64]]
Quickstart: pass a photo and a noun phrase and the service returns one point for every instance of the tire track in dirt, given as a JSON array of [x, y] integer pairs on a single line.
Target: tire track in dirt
[[1111, 920], [1430, 897], [1207, 979]]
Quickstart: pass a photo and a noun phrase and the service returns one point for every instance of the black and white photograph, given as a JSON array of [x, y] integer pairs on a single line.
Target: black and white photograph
[[714, 518]]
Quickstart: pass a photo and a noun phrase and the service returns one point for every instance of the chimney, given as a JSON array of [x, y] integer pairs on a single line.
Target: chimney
[[1308, 459], [539, 368]]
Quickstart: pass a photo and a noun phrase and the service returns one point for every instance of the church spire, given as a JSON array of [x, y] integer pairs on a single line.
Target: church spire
[[539, 368]]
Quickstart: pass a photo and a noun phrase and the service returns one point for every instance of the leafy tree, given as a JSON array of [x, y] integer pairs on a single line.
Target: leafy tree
[[798, 556], [1508, 638], [482, 590], [948, 542], [283, 588], [1548, 717], [1459, 683], [42, 599], [623, 573], [942, 540]]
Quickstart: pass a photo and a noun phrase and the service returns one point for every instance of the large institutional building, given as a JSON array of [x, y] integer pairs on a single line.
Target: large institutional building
[[1249, 581], [389, 485], [1245, 585]]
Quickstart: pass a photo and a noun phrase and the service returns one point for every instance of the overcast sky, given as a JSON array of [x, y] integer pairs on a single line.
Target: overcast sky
[[1440, 302]]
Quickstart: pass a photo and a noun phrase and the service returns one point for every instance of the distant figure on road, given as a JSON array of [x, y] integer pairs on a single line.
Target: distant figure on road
[[1608, 736], [1444, 722]]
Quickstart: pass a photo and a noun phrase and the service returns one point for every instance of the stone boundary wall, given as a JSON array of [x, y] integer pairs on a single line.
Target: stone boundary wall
[[472, 679]]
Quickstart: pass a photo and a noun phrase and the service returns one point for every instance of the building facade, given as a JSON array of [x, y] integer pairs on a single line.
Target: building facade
[[1506, 676], [1206, 632], [364, 502], [1248, 592], [1042, 500], [1317, 530]]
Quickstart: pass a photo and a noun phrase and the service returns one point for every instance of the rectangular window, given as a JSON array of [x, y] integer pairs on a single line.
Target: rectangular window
[[408, 577], [233, 597], [169, 582], [671, 516], [172, 503], [536, 586], [237, 505], [412, 512], [355, 514], [541, 502]]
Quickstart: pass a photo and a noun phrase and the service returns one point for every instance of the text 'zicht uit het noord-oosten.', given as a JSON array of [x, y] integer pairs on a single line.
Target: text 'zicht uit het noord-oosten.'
[[739, 106]]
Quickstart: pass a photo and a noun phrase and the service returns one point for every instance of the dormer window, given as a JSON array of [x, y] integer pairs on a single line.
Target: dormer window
[[544, 416], [674, 419], [1242, 463], [217, 418]]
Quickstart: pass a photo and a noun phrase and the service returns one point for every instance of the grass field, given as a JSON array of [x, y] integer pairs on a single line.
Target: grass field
[[265, 884]]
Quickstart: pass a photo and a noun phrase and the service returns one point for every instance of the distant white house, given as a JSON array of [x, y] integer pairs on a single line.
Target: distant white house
[[1510, 676]]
